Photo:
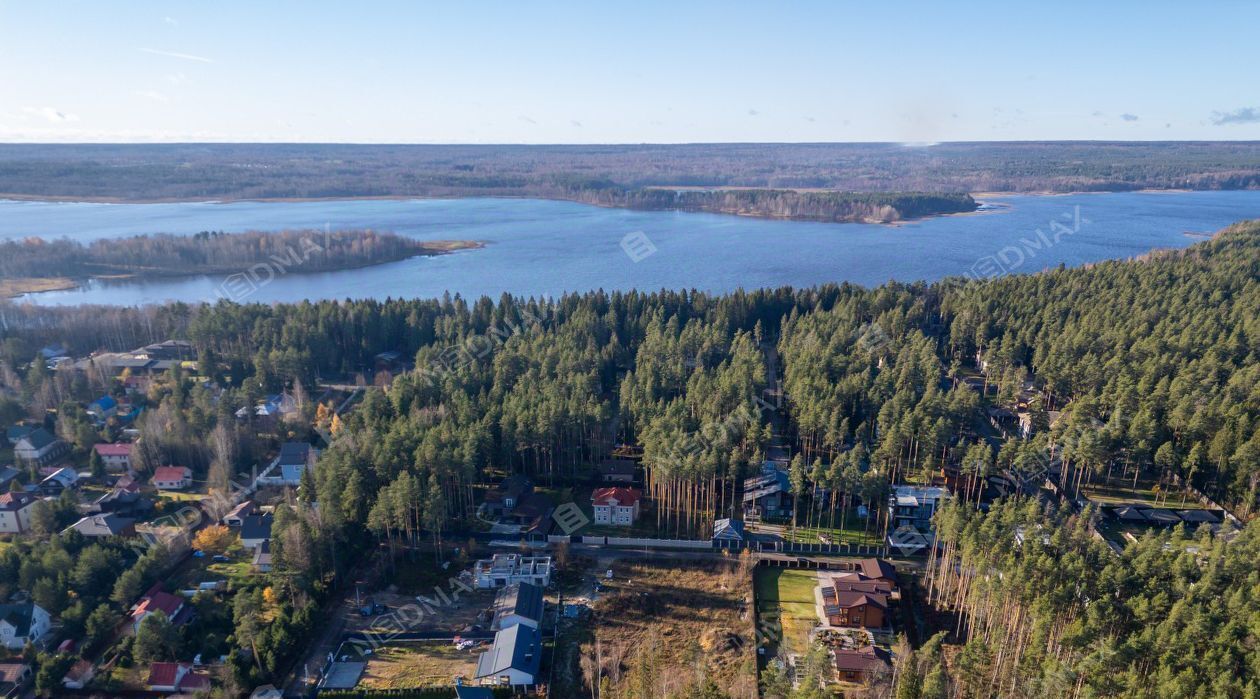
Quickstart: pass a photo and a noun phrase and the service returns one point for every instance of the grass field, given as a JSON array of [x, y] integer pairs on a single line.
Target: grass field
[[415, 665], [677, 615], [785, 606], [1141, 495]]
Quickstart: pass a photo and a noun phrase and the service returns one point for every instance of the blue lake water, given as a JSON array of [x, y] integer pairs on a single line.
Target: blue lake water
[[544, 248]]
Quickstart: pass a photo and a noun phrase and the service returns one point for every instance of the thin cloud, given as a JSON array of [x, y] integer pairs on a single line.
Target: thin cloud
[[153, 95], [171, 21], [50, 114], [526, 119], [753, 112], [575, 123], [176, 54], [1129, 117], [1242, 115]]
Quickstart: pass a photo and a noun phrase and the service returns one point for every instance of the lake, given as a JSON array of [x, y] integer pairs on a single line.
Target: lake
[[545, 248]]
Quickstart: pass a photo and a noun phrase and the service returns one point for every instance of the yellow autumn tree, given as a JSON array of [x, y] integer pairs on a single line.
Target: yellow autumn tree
[[214, 539]]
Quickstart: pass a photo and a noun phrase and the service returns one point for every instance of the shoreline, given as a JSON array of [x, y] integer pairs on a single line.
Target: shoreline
[[16, 288]]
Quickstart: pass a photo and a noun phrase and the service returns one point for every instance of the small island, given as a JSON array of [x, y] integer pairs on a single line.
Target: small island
[[792, 204], [34, 265]]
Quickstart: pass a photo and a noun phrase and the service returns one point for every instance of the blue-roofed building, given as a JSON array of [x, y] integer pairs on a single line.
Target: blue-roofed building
[[728, 530], [102, 408], [768, 494], [513, 659], [521, 603], [465, 691]]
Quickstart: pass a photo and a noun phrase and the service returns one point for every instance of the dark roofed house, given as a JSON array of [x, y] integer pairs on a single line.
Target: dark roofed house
[[768, 494], [728, 530], [104, 525], [39, 446], [1130, 513], [262, 557], [13, 676], [237, 515], [463, 691], [617, 471], [58, 481], [521, 603], [1199, 516], [858, 665], [294, 459], [22, 623], [505, 496], [255, 529], [1166, 518], [513, 658]]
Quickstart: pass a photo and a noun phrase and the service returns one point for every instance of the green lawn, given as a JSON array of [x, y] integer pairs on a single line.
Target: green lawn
[[1143, 495], [785, 605], [852, 533]]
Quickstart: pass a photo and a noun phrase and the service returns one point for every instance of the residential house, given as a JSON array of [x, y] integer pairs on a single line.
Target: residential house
[[159, 600], [294, 459], [111, 524], [13, 678], [172, 477], [39, 447], [768, 494], [22, 623], [617, 471], [121, 501], [262, 557], [17, 432], [854, 608], [914, 505], [616, 506], [255, 529], [79, 675], [513, 658], [116, 457], [859, 665], [730, 530], [237, 515], [275, 407], [102, 408], [266, 691], [58, 481], [521, 603], [878, 569], [176, 677], [504, 497], [7, 474], [15, 512], [465, 691], [503, 569]]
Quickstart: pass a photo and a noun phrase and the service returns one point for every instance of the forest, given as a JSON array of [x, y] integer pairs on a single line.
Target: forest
[[625, 175], [1152, 362], [210, 252]]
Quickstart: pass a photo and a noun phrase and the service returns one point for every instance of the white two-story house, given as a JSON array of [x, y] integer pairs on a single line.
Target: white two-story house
[[615, 506]]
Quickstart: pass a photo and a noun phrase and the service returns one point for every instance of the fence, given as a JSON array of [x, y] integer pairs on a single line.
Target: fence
[[701, 544]]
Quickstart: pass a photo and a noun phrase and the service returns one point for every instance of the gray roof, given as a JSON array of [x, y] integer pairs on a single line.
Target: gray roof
[[256, 527], [294, 453], [39, 438], [102, 525], [517, 647], [523, 599], [18, 616]]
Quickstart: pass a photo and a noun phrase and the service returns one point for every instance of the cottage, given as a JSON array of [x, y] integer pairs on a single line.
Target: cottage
[[294, 459], [728, 530], [513, 659], [58, 481], [505, 497], [237, 515], [255, 529], [521, 603], [503, 569], [102, 408], [616, 506], [176, 677], [22, 623], [878, 569], [914, 505], [853, 608], [768, 494], [13, 676], [15, 512], [79, 675], [859, 665], [39, 447], [172, 477], [617, 471], [278, 406], [111, 524], [159, 600], [262, 557], [116, 457]]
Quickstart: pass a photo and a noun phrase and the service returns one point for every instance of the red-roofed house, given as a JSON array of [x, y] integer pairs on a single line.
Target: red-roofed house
[[15, 512], [172, 477], [156, 600], [176, 677], [116, 457], [619, 506]]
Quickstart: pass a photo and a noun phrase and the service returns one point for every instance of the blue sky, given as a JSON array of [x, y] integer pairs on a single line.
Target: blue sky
[[550, 72]]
